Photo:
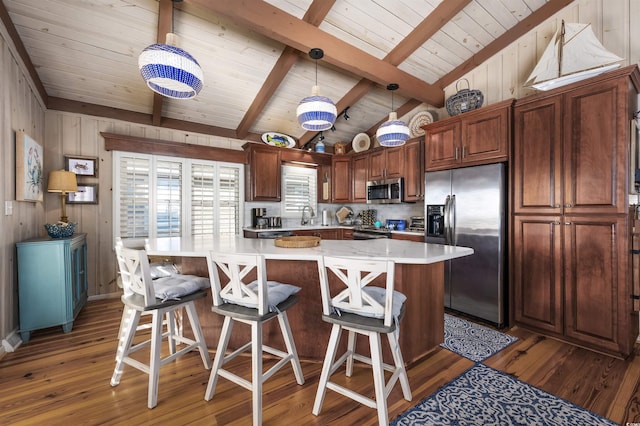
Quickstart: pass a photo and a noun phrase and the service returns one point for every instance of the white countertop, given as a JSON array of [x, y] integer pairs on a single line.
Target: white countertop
[[320, 227], [400, 251]]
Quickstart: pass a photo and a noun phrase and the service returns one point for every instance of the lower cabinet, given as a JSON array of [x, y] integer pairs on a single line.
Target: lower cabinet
[[52, 282], [571, 279], [325, 234], [408, 237]]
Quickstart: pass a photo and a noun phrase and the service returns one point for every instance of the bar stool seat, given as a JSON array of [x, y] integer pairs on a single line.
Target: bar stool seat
[[363, 309], [140, 298], [253, 303]]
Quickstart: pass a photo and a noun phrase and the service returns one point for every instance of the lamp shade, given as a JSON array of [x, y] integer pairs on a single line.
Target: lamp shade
[[393, 132], [316, 113], [170, 71], [62, 181]]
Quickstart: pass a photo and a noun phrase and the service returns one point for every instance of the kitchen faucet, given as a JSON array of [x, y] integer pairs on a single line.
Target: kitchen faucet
[[305, 220]]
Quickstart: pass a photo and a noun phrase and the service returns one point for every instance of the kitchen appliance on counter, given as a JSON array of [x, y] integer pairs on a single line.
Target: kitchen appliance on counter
[[466, 207], [396, 224], [259, 218], [416, 224]]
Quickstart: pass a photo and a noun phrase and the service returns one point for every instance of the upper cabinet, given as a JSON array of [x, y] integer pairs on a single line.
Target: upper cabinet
[[341, 185], [386, 163], [568, 150], [263, 170], [413, 170], [360, 169], [262, 175], [476, 137]]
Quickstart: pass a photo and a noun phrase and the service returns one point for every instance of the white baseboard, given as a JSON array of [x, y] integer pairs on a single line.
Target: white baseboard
[[11, 343]]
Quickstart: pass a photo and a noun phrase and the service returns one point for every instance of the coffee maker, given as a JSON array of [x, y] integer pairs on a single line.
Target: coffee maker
[[259, 218]]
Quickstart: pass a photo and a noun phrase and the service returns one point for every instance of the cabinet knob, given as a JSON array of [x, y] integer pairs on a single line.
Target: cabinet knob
[[567, 223], [463, 151], [568, 205], [456, 152], [556, 206]]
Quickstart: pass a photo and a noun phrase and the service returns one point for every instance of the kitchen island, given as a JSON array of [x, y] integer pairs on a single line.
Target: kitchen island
[[419, 275]]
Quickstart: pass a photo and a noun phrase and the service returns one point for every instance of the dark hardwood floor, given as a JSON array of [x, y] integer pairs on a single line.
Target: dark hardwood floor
[[59, 378]]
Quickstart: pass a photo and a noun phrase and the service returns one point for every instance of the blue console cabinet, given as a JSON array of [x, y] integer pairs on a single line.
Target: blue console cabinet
[[52, 282]]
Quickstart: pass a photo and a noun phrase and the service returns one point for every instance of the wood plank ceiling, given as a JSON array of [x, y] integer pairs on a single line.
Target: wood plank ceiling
[[83, 56]]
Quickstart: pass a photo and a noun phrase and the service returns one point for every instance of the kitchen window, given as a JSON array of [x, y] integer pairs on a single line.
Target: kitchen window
[[157, 196], [299, 189]]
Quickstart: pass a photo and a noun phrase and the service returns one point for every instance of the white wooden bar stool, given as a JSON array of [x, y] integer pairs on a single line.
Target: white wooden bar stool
[[252, 303], [367, 310], [143, 295]]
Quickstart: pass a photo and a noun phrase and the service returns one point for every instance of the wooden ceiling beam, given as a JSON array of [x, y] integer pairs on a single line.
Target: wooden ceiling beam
[[165, 25], [314, 16], [60, 104], [416, 38], [278, 25], [518, 30]]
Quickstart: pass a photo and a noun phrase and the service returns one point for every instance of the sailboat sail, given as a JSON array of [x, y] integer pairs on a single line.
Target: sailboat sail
[[573, 54]]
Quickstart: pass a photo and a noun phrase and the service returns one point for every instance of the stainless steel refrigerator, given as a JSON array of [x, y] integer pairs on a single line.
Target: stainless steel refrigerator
[[466, 207]]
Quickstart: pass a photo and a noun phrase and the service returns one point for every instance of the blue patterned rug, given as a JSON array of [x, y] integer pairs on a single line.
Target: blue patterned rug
[[471, 340], [484, 396]]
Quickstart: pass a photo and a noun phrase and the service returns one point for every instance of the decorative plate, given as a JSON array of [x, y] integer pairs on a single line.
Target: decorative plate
[[417, 121], [361, 142], [278, 139]]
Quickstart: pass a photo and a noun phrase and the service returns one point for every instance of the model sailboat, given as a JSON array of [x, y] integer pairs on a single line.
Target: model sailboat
[[573, 54]]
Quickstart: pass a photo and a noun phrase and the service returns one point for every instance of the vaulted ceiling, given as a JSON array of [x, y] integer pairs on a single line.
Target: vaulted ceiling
[[83, 56]]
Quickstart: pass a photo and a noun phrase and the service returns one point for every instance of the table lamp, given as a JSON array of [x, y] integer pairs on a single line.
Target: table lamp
[[63, 182]]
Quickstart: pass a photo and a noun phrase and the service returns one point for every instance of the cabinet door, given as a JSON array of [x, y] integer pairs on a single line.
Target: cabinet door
[[341, 187], [377, 164], [413, 170], [536, 266], [394, 164], [537, 154], [442, 146], [360, 170], [264, 174], [596, 139], [485, 137], [597, 294]]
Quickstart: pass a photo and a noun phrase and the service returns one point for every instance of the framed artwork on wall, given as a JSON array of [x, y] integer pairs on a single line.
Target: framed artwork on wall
[[87, 194], [29, 160], [82, 166]]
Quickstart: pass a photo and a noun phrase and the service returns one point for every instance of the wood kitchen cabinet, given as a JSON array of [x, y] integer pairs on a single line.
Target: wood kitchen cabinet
[[413, 170], [386, 163], [262, 174], [476, 137], [566, 159], [360, 168], [325, 234], [341, 185], [570, 247]]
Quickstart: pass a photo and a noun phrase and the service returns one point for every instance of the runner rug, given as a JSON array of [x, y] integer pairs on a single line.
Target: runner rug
[[471, 340], [484, 396]]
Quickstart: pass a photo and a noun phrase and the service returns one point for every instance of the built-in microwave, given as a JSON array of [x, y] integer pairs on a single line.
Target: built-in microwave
[[387, 191]]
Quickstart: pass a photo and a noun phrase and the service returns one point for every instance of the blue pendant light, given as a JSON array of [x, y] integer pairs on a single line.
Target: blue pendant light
[[393, 132], [316, 113], [169, 70]]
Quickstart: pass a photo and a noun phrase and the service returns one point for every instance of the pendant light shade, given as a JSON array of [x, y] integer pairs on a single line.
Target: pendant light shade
[[393, 132], [170, 71], [315, 112]]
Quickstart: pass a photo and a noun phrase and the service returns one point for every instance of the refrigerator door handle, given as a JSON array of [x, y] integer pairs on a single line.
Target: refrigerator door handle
[[446, 219], [452, 220]]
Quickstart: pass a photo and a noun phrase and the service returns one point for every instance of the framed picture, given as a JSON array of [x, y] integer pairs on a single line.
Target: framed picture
[[29, 160], [82, 166], [87, 194]]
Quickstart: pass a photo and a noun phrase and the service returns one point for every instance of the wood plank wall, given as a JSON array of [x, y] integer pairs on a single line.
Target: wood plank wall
[[499, 78]]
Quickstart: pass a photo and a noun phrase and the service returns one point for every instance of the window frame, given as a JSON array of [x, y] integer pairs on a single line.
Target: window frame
[[185, 191]]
